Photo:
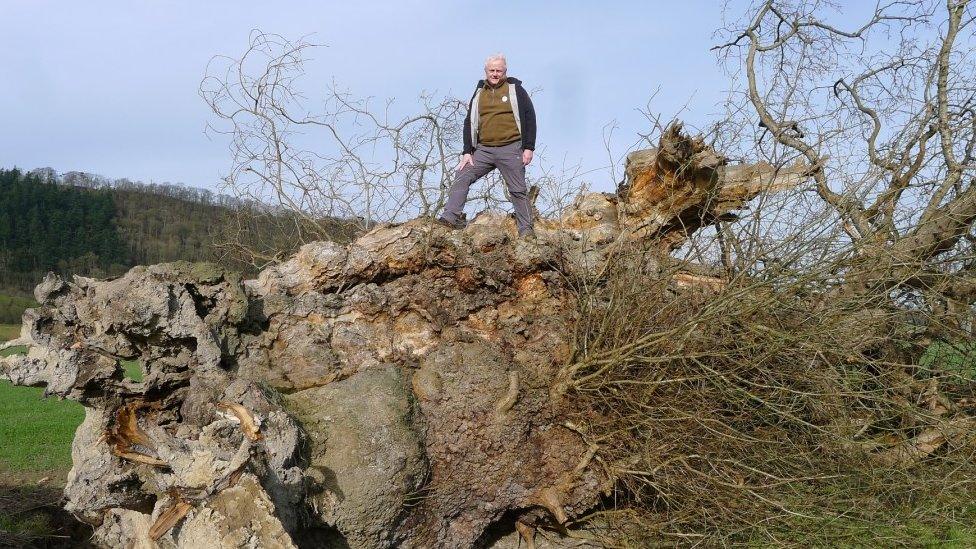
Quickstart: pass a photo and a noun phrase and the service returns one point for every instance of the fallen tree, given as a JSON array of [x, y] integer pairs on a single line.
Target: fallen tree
[[621, 378], [423, 387], [405, 390]]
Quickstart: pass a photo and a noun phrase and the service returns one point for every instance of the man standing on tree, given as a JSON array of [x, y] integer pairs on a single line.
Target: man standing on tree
[[499, 132]]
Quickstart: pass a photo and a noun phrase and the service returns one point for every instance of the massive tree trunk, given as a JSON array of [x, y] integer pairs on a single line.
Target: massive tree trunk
[[397, 391]]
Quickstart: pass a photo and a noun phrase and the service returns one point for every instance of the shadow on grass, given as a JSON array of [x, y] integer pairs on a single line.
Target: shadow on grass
[[31, 516]]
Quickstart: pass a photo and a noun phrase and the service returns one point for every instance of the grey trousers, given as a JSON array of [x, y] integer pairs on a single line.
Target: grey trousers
[[508, 160]]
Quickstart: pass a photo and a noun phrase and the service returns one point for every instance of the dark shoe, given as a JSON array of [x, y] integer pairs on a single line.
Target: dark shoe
[[448, 224]]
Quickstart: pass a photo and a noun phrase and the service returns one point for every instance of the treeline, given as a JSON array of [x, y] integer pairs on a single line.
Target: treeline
[[48, 227], [80, 223], [84, 224], [158, 227], [166, 222], [158, 222]]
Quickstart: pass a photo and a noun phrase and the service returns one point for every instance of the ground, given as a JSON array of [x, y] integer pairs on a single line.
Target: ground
[[36, 436], [35, 456]]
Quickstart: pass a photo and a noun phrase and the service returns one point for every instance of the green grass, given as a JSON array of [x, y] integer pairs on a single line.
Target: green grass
[[12, 308], [31, 516], [133, 370], [956, 359], [905, 532], [9, 331], [35, 443], [35, 432], [869, 515]]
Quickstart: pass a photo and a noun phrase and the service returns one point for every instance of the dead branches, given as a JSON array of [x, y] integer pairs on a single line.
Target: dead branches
[[746, 411], [889, 150], [351, 161]]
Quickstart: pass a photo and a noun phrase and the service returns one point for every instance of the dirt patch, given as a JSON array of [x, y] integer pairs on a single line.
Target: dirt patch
[[31, 516]]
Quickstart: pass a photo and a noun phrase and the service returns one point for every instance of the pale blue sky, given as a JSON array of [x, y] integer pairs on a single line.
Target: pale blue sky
[[110, 87]]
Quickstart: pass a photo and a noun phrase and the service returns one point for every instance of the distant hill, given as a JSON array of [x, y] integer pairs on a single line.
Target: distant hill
[[79, 223], [49, 227]]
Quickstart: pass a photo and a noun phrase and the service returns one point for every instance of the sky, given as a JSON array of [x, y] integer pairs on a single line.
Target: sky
[[111, 87]]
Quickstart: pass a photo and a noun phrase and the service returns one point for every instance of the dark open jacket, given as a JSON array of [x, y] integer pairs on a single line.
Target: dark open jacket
[[521, 108]]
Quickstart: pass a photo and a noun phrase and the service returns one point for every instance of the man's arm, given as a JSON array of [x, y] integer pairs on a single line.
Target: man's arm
[[468, 144], [527, 117]]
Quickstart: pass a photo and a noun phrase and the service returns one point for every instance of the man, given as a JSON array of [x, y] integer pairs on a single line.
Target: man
[[499, 132]]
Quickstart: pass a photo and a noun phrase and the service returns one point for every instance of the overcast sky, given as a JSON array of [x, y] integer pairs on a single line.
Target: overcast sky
[[111, 87]]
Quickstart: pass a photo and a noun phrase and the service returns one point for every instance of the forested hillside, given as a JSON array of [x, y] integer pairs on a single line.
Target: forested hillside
[[79, 223], [48, 227], [157, 227]]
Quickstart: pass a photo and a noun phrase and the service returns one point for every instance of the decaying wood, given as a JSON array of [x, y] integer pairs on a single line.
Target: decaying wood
[[127, 438], [527, 533], [169, 518], [19, 342], [683, 185], [250, 427], [511, 395], [712, 283], [360, 385], [550, 499], [137, 457]]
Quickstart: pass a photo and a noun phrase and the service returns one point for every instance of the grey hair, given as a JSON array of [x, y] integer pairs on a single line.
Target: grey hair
[[496, 57]]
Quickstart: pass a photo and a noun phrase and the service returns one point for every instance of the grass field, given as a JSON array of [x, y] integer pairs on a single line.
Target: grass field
[[12, 308], [955, 360], [9, 331], [35, 456], [36, 432]]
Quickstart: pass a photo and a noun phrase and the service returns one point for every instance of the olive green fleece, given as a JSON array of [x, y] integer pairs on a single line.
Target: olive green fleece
[[497, 126]]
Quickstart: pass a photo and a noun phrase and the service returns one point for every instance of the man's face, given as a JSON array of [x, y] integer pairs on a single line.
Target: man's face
[[495, 72]]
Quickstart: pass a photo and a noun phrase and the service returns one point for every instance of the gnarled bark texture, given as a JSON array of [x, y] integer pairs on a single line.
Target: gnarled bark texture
[[395, 392]]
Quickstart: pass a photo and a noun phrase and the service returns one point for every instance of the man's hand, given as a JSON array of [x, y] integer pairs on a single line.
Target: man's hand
[[466, 160], [526, 157]]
